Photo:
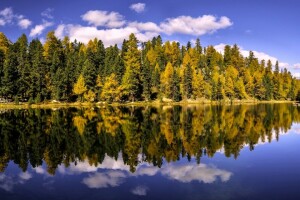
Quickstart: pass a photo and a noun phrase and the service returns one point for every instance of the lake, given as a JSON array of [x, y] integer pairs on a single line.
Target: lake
[[173, 152]]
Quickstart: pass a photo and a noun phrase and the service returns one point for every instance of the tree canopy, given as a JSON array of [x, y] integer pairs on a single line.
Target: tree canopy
[[67, 70]]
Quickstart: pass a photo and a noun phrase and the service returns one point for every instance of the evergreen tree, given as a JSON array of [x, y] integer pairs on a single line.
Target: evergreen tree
[[188, 77], [175, 87], [131, 84], [10, 72]]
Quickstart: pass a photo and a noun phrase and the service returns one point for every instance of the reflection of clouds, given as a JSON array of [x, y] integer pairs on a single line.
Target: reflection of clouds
[[8, 182], [193, 172], [102, 180], [295, 128], [147, 170], [81, 167], [115, 175], [39, 170], [25, 176], [140, 190]]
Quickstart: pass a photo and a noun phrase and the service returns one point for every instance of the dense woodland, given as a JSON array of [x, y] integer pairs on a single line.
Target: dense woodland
[[155, 135], [154, 70]]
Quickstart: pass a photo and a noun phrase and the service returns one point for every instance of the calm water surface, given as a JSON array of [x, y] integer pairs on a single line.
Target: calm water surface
[[204, 152]]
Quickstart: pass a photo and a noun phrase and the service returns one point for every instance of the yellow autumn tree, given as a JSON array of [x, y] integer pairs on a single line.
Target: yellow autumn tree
[[110, 88], [90, 96], [166, 80], [79, 87]]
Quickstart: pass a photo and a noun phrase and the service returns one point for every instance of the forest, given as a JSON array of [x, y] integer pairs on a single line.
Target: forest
[[68, 71], [154, 134]]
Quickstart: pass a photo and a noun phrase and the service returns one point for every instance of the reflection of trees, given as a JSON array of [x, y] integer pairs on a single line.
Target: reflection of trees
[[140, 134]]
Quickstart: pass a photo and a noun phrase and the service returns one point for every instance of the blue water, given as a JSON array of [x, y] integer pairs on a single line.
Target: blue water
[[270, 171]]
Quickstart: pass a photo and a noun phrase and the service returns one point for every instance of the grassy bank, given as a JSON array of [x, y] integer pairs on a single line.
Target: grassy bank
[[56, 105]]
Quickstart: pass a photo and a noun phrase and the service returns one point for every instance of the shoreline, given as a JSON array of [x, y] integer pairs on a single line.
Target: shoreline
[[53, 105]]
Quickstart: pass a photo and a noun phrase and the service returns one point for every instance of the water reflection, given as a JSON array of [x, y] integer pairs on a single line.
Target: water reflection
[[134, 135]]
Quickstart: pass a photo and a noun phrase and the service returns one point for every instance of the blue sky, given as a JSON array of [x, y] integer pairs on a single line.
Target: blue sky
[[271, 28]]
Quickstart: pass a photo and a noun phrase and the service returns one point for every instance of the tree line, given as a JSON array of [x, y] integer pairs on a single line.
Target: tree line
[[153, 70], [157, 135]]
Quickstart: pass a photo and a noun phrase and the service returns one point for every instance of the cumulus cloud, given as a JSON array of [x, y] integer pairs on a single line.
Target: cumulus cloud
[[103, 18], [297, 75], [195, 26], [147, 26], [140, 190], [38, 29], [138, 7], [24, 23], [7, 16], [104, 180], [108, 36], [259, 55], [47, 13], [297, 66], [115, 28]]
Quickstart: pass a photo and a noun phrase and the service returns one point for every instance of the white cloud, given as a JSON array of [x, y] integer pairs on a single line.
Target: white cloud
[[38, 29], [108, 36], [147, 26], [25, 176], [2, 22], [138, 7], [296, 74], [297, 66], [103, 18], [140, 190], [104, 180], [259, 55], [60, 31], [116, 29], [24, 23], [47, 13], [283, 65], [7, 16], [201, 25]]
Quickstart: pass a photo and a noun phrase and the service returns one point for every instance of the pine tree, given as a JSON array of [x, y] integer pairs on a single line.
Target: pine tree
[[37, 84], [175, 86], [131, 81], [10, 72], [89, 73], [188, 78]]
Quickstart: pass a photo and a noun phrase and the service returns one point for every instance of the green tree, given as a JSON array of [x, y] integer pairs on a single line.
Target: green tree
[[187, 81], [175, 86], [131, 84]]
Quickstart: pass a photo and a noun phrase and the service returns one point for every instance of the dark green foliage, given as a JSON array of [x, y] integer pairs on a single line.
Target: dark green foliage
[[176, 96], [188, 81], [50, 71]]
